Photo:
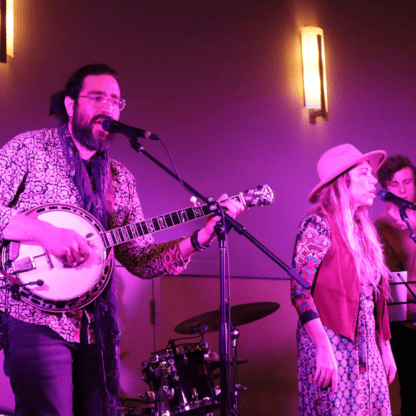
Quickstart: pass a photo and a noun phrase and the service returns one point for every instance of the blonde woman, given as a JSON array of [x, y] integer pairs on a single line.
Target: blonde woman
[[345, 361]]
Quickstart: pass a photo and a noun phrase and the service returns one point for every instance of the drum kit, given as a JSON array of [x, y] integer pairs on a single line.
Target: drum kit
[[181, 377]]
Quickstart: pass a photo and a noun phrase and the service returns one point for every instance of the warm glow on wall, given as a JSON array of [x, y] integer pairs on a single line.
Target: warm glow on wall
[[6, 29], [314, 75], [9, 28]]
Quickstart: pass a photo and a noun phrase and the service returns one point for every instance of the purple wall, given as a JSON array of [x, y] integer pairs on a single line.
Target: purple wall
[[221, 83]]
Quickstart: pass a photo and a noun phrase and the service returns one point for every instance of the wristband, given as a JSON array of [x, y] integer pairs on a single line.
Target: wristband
[[195, 243]]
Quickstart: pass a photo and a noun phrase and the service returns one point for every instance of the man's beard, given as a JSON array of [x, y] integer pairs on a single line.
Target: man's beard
[[84, 132]]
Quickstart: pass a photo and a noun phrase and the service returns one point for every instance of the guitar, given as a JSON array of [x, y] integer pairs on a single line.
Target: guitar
[[47, 283]]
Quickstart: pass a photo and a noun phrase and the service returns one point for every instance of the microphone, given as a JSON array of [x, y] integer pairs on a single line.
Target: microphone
[[388, 196], [114, 126]]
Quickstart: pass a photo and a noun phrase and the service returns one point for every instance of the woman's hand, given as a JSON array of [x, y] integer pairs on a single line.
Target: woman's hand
[[388, 360], [326, 373]]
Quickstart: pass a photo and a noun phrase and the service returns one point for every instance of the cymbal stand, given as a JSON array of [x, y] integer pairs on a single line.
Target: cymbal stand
[[235, 397], [202, 329], [235, 333]]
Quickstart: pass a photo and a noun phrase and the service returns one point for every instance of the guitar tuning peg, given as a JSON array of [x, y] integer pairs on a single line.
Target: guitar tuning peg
[[195, 201]]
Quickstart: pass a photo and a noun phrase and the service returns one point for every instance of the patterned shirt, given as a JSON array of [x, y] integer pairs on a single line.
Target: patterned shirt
[[312, 243], [33, 172]]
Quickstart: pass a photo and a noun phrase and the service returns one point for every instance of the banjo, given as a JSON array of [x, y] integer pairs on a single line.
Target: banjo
[[47, 283]]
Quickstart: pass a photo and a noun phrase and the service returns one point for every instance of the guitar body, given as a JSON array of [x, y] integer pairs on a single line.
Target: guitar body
[[64, 288]]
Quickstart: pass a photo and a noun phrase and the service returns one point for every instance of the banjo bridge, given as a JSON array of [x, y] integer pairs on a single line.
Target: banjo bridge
[[23, 265], [27, 264]]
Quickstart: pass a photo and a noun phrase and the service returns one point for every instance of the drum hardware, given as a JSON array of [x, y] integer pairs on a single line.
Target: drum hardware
[[180, 380], [180, 377], [200, 329], [234, 335], [165, 394], [211, 322], [131, 407]]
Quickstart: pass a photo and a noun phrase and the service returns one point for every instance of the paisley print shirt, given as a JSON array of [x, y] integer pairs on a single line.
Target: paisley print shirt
[[312, 243], [33, 172]]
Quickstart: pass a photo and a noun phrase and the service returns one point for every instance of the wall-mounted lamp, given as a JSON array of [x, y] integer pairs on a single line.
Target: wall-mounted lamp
[[6, 29], [314, 75]]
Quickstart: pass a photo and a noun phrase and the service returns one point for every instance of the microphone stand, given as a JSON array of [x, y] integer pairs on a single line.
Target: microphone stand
[[405, 218], [220, 229]]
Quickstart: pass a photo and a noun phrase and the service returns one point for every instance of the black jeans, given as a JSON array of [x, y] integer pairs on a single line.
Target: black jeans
[[50, 376]]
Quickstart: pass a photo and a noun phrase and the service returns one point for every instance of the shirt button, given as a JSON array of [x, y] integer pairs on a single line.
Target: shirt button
[[77, 325]]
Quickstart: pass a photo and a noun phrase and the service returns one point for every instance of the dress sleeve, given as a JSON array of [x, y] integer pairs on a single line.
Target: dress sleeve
[[312, 243]]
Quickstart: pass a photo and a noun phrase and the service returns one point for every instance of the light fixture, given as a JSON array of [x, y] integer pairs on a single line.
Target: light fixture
[[314, 74], [6, 29]]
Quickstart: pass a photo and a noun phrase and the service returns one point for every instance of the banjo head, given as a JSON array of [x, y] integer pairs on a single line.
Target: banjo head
[[64, 287]]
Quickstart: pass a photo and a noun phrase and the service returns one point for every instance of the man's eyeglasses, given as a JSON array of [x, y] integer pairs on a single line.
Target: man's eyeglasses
[[99, 100]]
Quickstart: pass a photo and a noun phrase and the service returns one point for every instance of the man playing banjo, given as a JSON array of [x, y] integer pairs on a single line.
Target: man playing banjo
[[61, 360]]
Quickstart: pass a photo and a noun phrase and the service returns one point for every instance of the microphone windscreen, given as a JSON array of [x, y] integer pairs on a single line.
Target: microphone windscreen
[[106, 124], [382, 193]]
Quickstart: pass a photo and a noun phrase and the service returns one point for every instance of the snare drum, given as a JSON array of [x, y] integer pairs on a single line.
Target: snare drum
[[185, 371]]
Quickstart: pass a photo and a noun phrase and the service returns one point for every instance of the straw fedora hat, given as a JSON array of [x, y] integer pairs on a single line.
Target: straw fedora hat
[[337, 160]]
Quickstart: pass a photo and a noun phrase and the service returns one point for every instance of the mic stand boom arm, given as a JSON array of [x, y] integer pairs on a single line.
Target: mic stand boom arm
[[230, 221], [224, 334]]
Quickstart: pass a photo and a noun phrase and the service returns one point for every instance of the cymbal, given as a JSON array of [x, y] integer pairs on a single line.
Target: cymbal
[[240, 315]]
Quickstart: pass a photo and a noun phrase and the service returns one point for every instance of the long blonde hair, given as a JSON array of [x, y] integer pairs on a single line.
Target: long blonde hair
[[357, 230]]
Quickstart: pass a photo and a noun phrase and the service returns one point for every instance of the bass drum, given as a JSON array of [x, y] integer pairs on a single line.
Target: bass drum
[[185, 371]]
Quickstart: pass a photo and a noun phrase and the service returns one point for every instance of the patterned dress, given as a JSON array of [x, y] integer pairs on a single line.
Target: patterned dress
[[362, 386]]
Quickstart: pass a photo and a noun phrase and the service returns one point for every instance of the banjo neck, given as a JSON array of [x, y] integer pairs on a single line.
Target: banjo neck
[[263, 195]]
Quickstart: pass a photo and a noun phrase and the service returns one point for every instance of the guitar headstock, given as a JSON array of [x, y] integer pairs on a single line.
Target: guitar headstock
[[262, 195]]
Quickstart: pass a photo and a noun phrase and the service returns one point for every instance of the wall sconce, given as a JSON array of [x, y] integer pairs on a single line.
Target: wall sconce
[[314, 75], [6, 29]]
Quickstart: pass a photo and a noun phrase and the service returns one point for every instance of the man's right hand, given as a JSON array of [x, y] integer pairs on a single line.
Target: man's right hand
[[65, 244]]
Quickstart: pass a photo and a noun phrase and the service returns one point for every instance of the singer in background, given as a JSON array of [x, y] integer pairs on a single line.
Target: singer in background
[[345, 361], [66, 363], [398, 175]]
